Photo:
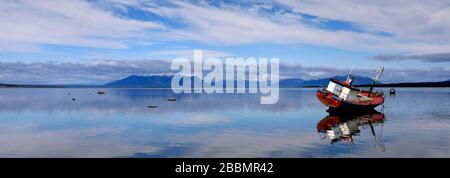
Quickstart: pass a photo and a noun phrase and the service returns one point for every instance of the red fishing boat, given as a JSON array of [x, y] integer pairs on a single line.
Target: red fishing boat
[[343, 95]]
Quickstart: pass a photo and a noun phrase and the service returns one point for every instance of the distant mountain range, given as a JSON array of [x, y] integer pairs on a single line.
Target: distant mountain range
[[164, 81], [134, 81], [296, 82]]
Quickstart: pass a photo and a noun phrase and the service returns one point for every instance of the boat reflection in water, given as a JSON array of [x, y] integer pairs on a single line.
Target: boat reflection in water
[[342, 127]]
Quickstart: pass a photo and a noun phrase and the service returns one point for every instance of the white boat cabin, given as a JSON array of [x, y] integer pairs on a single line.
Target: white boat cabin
[[342, 91]]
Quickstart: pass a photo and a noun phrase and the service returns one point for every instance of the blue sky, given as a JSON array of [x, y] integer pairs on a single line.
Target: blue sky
[[410, 38]]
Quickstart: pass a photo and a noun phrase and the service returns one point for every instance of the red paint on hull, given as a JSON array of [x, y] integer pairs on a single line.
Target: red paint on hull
[[327, 99], [332, 101]]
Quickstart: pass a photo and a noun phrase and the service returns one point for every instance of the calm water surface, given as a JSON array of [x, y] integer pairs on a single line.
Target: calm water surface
[[48, 123]]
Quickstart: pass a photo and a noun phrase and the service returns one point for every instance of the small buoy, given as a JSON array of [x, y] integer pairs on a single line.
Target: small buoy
[[152, 106], [392, 91], [171, 99]]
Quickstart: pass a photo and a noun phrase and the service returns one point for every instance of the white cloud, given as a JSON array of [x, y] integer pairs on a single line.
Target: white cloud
[[81, 23], [189, 53], [417, 26], [67, 22], [231, 24], [436, 58], [228, 25]]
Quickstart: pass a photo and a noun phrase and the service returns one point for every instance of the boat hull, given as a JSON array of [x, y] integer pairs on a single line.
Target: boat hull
[[335, 103]]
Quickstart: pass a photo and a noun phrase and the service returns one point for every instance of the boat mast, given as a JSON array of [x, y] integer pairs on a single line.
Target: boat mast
[[377, 76], [350, 77]]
